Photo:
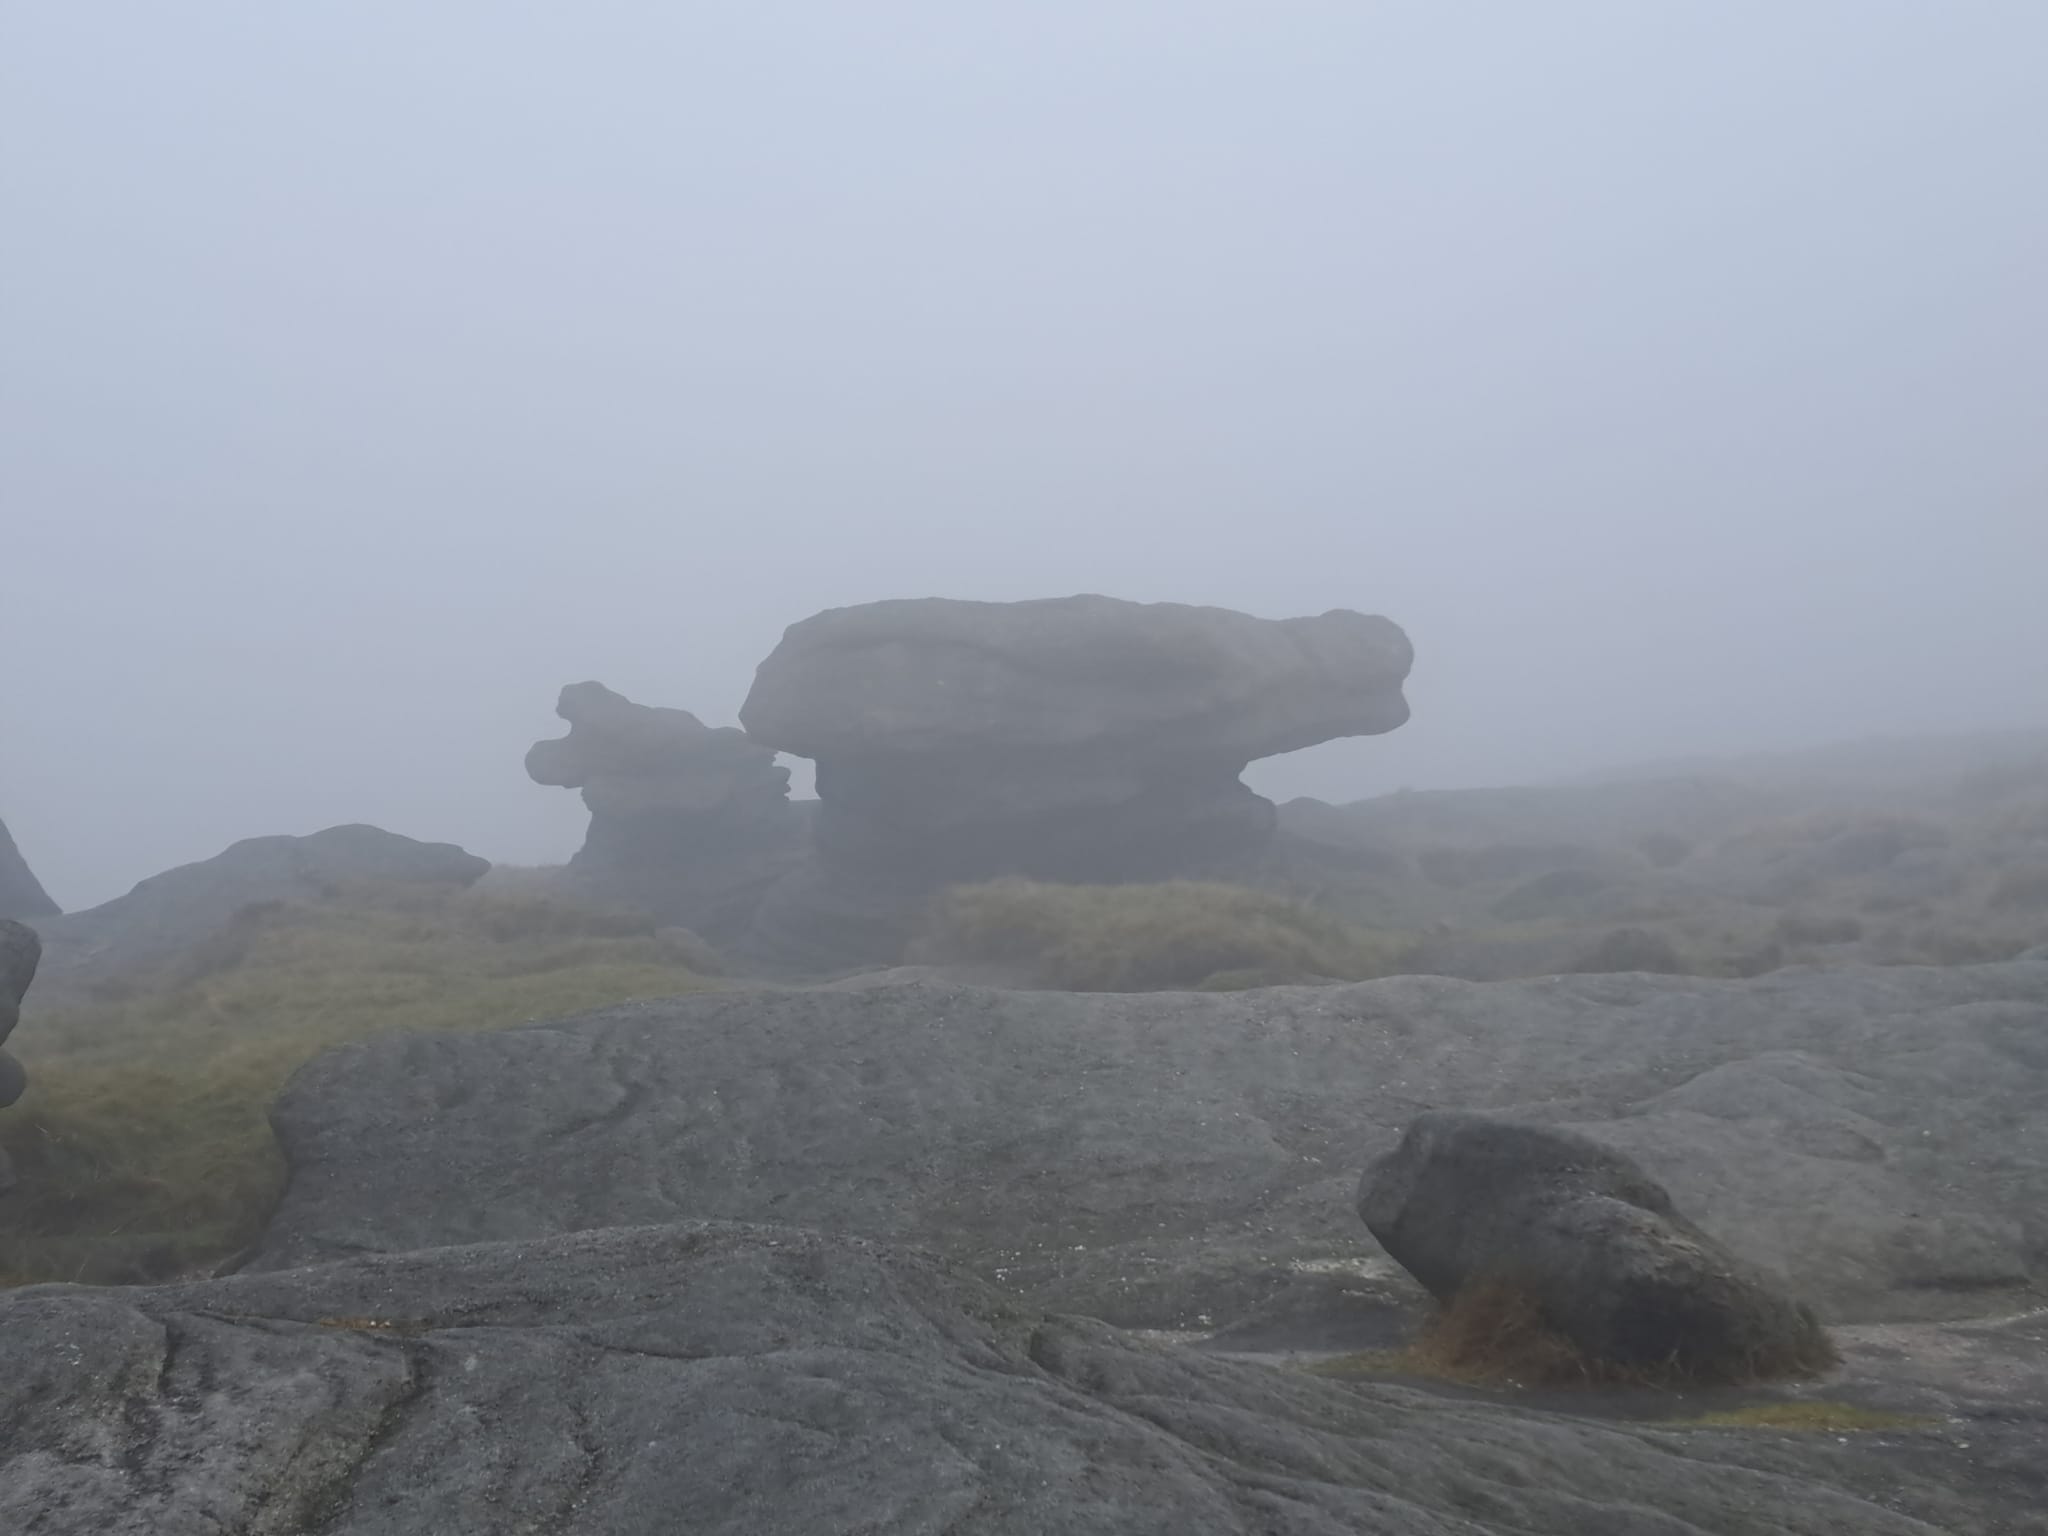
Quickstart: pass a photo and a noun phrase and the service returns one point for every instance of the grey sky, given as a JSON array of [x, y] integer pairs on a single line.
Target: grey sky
[[1676, 373]]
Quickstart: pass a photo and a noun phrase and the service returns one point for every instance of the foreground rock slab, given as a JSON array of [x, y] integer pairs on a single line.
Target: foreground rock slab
[[1874, 1136], [1595, 1243], [735, 1379]]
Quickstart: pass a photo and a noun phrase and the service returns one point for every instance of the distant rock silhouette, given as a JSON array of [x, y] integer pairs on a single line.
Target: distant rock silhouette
[[688, 822], [21, 893], [1082, 738], [20, 949]]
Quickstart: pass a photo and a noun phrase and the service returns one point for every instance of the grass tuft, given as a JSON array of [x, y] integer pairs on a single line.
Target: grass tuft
[[1493, 1333], [143, 1147], [1810, 1414], [1140, 938]]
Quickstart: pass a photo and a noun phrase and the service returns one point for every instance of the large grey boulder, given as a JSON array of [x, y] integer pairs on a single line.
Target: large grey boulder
[[20, 950], [936, 676], [21, 893], [1874, 1135], [167, 914], [1080, 738], [1591, 1240], [688, 822], [733, 1379]]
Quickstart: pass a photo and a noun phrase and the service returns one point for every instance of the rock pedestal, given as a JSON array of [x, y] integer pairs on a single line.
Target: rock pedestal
[[688, 822]]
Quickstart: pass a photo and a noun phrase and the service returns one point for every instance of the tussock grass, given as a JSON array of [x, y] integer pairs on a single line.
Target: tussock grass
[[143, 1147], [1489, 1334], [1493, 1334], [1142, 938]]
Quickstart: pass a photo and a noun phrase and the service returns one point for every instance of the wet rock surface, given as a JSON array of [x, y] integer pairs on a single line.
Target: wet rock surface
[[733, 1378]]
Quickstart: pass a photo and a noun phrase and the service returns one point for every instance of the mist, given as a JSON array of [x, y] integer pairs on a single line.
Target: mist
[[1674, 375]]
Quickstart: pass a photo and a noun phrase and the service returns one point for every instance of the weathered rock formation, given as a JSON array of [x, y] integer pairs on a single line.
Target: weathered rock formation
[[688, 822], [20, 949], [1592, 1241], [1080, 738], [21, 893], [168, 914]]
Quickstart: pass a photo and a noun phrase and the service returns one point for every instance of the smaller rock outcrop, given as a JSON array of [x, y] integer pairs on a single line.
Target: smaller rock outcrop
[[1590, 1239], [21, 893], [20, 949], [688, 822], [168, 914]]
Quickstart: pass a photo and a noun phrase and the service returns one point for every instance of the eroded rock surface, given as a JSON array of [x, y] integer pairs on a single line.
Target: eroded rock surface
[[688, 822], [745, 1379], [1874, 1136]]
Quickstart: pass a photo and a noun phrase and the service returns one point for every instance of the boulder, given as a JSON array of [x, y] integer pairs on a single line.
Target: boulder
[[21, 893], [20, 949], [689, 823], [1873, 1134], [738, 1379], [1590, 1239], [1080, 738], [168, 914]]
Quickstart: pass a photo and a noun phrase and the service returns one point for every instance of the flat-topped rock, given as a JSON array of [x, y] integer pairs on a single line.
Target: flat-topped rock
[[1160, 681]]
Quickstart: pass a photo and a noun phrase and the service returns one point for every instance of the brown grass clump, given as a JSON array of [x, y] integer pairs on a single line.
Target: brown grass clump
[[1494, 1333], [1803, 1413], [1140, 938], [143, 1145], [1489, 1334]]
